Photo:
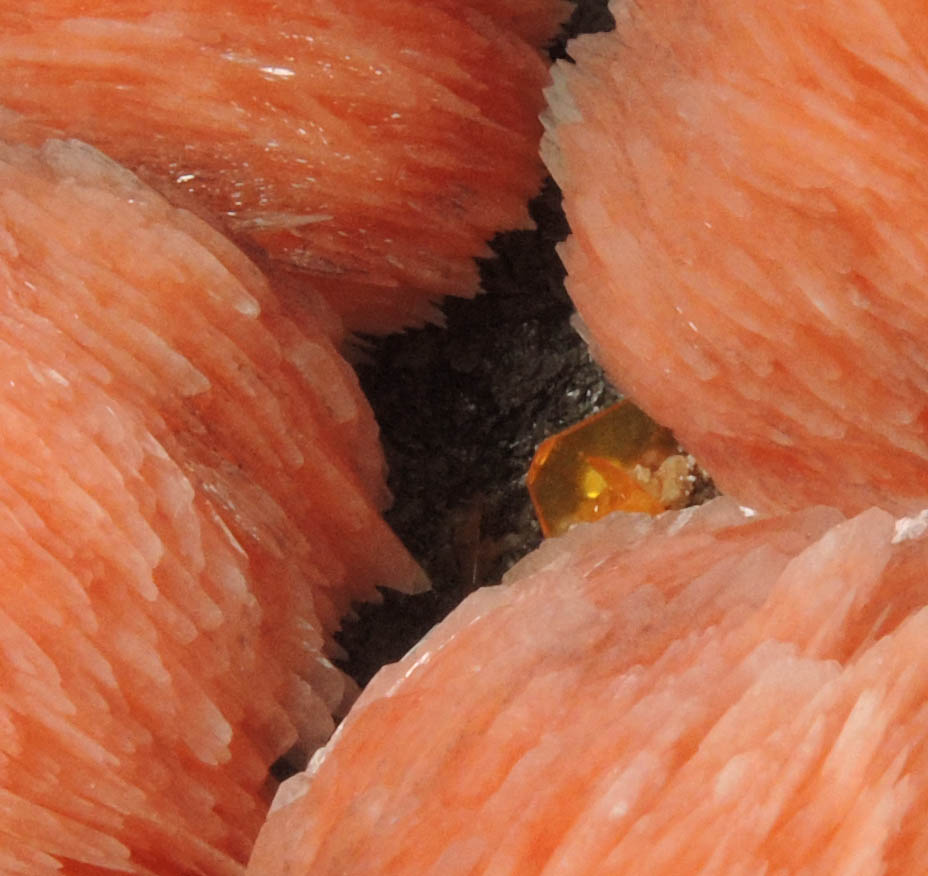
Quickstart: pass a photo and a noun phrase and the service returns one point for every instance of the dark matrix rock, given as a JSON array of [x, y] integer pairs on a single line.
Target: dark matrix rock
[[462, 409]]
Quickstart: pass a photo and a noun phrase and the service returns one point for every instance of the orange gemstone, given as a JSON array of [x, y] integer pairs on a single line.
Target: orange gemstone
[[616, 460]]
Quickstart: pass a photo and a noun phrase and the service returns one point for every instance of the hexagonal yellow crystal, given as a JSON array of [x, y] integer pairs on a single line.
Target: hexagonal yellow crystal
[[616, 460]]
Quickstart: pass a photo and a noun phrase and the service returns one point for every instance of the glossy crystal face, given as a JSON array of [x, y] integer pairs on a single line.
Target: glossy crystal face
[[616, 460]]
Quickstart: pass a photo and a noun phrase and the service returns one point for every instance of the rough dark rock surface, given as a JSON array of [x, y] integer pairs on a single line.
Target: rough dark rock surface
[[462, 409]]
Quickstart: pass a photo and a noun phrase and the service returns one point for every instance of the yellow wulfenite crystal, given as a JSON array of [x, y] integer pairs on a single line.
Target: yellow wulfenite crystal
[[616, 460]]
